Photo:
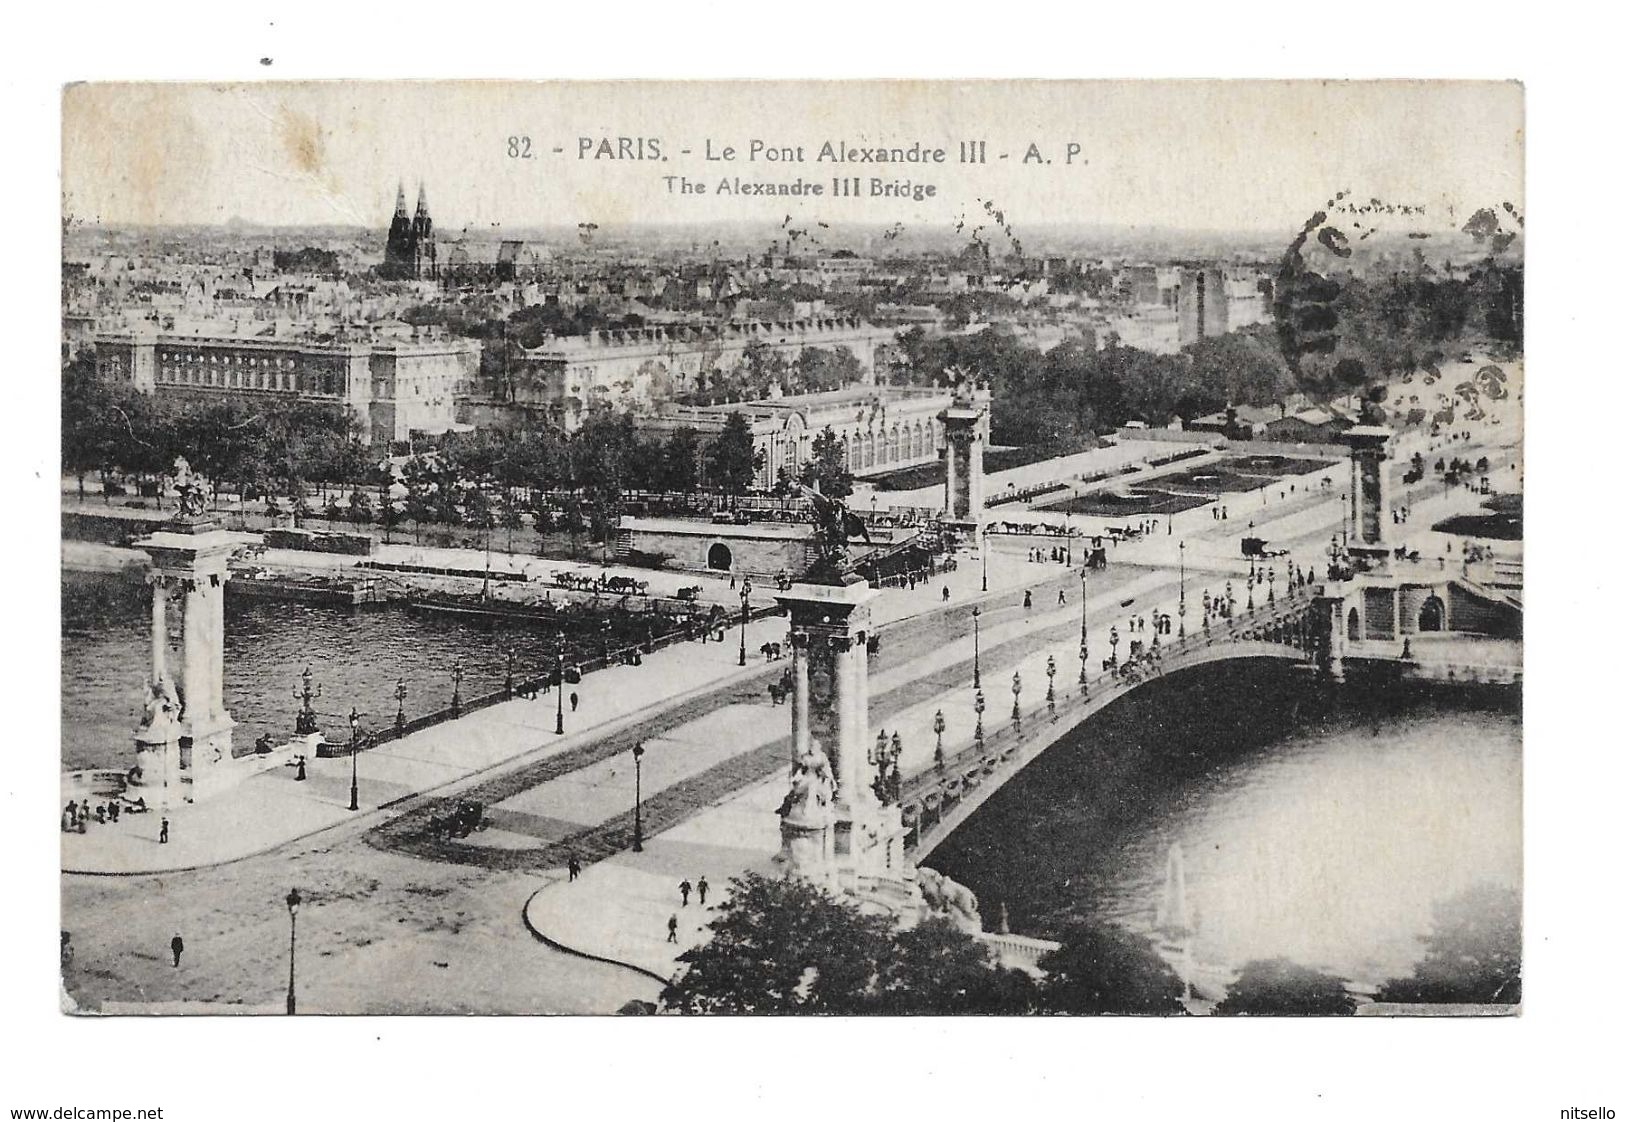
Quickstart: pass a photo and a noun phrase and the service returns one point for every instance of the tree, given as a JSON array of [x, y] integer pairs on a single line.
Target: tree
[[780, 946], [682, 460], [788, 946], [936, 969], [826, 469], [1100, 968], [1473, 955], [1278, 987], [734, 458]]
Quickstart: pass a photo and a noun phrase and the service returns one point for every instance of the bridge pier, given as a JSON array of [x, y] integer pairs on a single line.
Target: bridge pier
[[834, 828]]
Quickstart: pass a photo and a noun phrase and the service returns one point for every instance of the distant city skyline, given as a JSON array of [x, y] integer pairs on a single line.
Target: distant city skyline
[[1231, 159]]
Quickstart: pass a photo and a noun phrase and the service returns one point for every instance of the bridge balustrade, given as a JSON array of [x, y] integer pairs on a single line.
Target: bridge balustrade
[[928, 797]]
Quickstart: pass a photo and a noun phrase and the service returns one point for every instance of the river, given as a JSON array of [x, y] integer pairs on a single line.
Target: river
[[356, 658], [1317, 824]]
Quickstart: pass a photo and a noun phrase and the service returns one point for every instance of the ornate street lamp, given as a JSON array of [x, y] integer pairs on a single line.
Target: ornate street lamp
[[293, 919], [744, 617], [1049, 670], [400, 706], [984, 559], [1249, 592], [637, 796], [1182, 588], [1271, 576], [1015, 704], [457, 688], [976, 648], [558, 729], [355, 745], [507, 681], [305, 723], [981, 707], [1113, 638], [938, 725], [1083, 634]]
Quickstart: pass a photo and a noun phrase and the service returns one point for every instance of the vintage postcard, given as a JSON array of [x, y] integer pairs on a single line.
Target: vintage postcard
[[792, 547]]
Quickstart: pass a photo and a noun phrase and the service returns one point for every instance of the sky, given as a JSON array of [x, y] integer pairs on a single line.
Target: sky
[[1220, 156]]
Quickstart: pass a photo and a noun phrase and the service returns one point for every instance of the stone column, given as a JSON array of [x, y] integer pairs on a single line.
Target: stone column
[[800, 728], [1368, 544], [851, 755], [963, 429], [859, 849], [160, 626], [190, 557]]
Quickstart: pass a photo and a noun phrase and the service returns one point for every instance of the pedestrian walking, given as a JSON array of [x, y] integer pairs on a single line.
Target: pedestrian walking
[[574, 701], [944, 594], [1027, 599], [685, 888], [671, 929], [702, 888], [733, 582], [574, 866], [163, 833], [1061, 597], [176, 947]]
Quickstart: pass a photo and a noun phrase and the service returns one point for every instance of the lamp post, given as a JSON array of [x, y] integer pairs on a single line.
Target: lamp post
[[355, 743], [637, 797], [985, 544], [293, 919], [1083, 635], [558, 729], [305, 723], [1271, 577], [1015, 701], [1182, 588], [1113, 638], [976, 647], [939, 724], [507, 682], [1250, 592], [457, 688], [744, 617], [400, 706], [981, 707], [1049, 669]]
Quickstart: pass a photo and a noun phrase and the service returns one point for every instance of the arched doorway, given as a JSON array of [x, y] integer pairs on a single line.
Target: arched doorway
[[1432, 615], [1354, 625], [721, 558]]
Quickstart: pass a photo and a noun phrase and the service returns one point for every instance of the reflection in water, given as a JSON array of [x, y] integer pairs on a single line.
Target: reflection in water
[[356, 656], [1245, 812]]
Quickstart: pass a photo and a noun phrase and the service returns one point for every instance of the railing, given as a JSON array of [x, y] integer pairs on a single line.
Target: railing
[[930, 796]]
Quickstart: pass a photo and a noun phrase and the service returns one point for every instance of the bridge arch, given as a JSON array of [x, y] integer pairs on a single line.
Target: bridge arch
[[720, 558], [1432, 615]]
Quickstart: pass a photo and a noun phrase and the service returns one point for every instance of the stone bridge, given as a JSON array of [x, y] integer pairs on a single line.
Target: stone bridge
[[936, 801]]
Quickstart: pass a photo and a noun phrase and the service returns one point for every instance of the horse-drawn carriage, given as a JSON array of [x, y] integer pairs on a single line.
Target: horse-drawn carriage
[[1257, 548], [465, 818]]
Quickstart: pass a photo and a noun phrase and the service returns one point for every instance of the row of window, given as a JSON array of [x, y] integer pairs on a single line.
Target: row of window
[[250, 380], [215, 358]]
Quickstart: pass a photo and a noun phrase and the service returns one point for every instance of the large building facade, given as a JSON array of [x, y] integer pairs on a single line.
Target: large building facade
[[638, 368], [395, 386], [880, 428]]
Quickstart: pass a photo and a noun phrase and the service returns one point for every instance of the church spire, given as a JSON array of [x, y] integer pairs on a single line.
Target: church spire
[[423, 200], [400, 199]]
